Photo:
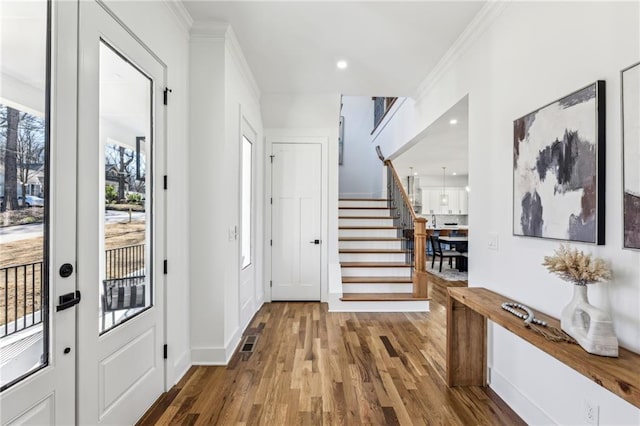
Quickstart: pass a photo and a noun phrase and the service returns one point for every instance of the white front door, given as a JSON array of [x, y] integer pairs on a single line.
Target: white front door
[[296, 221], [120, 222], [37, 332]]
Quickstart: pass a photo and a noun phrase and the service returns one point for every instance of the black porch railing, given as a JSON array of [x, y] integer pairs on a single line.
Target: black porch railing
[[124, 262], [21, 297]]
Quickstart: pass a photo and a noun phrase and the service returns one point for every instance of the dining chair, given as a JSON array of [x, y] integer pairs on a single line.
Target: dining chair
[[437, 251]]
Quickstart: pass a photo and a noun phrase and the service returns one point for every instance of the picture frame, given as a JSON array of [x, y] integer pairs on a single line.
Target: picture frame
[[559, 168], [630, 121]]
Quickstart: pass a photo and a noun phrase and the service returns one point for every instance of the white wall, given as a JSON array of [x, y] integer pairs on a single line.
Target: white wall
[[300, 117], [361, 168], [515, 58], [222, 91], [168, 39], [242, 102]]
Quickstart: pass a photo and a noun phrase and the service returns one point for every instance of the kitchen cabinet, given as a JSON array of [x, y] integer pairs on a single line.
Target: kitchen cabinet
[[458, 201]]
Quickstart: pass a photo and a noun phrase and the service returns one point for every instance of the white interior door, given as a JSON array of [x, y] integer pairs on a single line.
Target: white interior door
[[247, 290], [296, 221], [120, 221], [38, 339]]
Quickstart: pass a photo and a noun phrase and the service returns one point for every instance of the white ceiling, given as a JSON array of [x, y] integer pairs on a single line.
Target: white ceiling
[[23, 35], [440, 144], [125, 95], [293, 46]]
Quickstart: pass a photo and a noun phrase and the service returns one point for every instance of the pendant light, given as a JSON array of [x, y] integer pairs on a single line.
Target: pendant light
[[444, 198]]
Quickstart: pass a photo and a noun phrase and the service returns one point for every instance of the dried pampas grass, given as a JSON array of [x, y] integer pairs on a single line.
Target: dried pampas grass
[[577, 267]]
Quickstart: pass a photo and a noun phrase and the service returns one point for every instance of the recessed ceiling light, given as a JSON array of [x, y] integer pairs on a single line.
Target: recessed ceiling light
[[454, 173], [415, 173], [341, 64], [453, 121], [467, 188]]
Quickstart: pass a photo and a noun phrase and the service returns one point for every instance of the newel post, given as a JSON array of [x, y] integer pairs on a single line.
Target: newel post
[[420, 288]]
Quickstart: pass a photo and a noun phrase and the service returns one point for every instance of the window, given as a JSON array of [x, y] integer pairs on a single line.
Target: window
[[247, 151]]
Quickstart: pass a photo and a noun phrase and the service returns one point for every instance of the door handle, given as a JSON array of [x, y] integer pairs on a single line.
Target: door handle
[[68, 300], [315, 242]]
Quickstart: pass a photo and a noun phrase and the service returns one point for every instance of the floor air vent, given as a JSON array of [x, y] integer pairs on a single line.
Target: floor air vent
[[249, 343]]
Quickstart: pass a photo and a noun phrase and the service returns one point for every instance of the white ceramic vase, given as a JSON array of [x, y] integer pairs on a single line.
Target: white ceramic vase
[[591, 327]]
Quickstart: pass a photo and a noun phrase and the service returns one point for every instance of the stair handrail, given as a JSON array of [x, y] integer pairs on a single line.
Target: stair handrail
[[403, 192], [417, 227]]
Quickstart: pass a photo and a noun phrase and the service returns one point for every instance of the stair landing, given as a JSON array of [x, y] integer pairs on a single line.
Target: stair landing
[[376, 281], [377, 297]]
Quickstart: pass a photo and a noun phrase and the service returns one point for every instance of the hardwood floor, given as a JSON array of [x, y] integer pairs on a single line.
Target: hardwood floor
[[312, 367]]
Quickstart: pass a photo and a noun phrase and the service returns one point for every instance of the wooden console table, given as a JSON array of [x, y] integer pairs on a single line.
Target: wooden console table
[[467, 312]]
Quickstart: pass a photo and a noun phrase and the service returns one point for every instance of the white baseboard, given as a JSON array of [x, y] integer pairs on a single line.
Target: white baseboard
[[216, 355], [181, 366], [520, 403], [208, 356]]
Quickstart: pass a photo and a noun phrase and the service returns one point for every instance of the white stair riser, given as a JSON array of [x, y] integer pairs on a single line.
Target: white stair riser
[[385, 233], [373, 257], [376, 272], [365, 222], [382, 245], [364, 212], [377, 288], [360, 203]]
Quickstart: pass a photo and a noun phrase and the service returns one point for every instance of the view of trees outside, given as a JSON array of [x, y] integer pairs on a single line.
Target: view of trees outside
[[124, 175], [22, 149]]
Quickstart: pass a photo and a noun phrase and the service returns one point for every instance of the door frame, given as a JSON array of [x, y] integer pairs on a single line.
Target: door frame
[[246, 128], [295, 137]]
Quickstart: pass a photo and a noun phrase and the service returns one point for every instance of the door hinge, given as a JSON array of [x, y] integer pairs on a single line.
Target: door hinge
[[165, 349], [166, 95], [165, 266], [271, 242], [270, 283], [165, 182], [271, 200], [272, 157]]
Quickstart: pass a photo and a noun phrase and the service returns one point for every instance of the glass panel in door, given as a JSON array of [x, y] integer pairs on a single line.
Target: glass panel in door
[[24, 145], [126, 140]]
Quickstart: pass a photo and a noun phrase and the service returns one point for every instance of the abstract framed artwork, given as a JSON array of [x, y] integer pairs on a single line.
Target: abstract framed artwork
[[630, 90], [559, 169]]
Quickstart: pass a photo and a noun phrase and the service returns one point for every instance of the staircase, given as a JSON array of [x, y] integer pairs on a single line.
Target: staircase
[[373, 263]]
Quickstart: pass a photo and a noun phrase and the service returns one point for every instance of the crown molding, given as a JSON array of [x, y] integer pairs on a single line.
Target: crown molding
[[209, 29], [180, 13], [236, 52], [478, 25], [222, 30]]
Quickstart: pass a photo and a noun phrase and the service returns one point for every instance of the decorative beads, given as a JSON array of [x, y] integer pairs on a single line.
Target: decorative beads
[[528, 317]]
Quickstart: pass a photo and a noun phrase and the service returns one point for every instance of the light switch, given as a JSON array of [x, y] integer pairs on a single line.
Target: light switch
[[233, 233], [493, 241]]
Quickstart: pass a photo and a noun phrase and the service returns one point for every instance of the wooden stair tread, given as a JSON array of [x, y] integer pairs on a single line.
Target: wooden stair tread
[[386, 251], [365, 217], [375, 265], [368, 227], [362, 199], [382, 297], [366, 208], [377, 280], [370, 239]]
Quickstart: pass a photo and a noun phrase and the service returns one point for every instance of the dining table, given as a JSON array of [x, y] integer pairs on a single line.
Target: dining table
[[460, 244]]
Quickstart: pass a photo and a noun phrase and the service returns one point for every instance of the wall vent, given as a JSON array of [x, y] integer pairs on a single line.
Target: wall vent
[[249, 343]]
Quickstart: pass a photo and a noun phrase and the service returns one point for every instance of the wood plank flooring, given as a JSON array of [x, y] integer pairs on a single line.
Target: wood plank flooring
[[312, 367]]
